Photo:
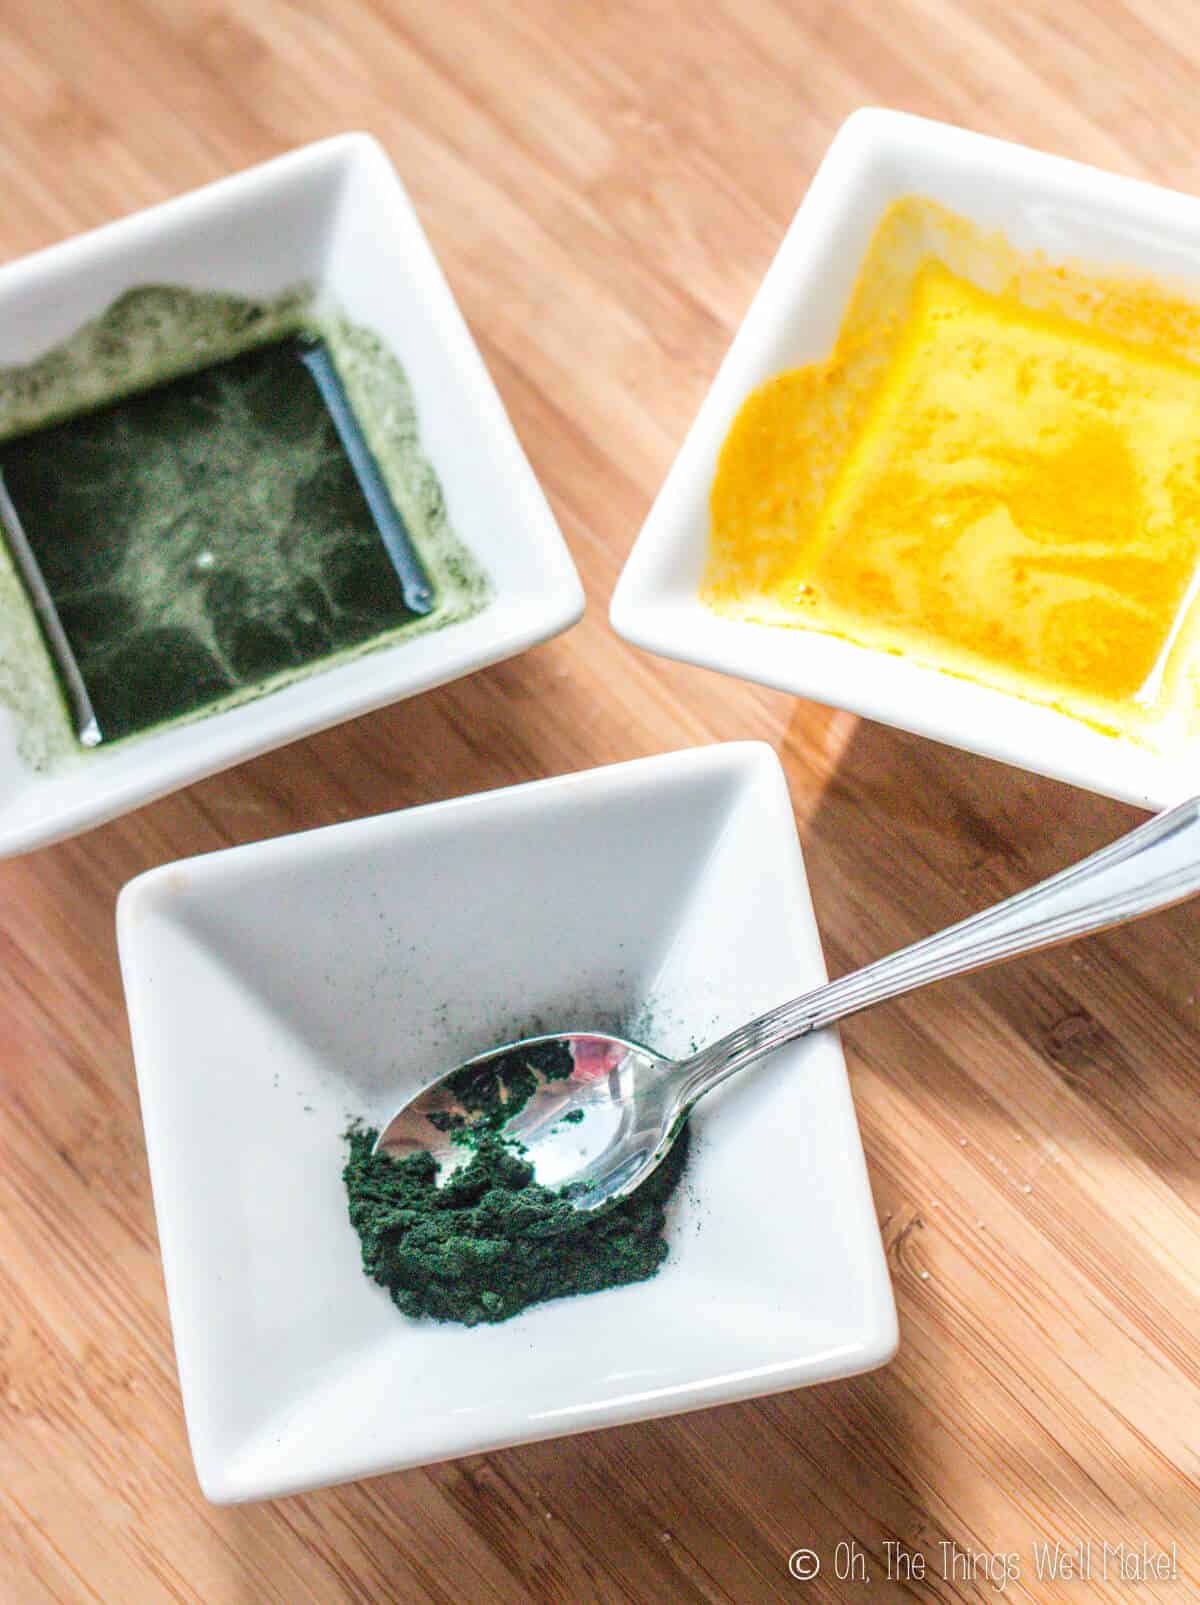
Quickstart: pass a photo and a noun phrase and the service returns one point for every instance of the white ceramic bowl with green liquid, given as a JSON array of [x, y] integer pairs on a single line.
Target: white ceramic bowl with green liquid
[[331, 223]]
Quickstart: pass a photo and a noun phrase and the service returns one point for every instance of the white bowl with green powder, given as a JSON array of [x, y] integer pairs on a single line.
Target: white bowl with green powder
[[279, 991], [254, 480]]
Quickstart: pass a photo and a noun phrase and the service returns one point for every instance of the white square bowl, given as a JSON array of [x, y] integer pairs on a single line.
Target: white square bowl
[[335, 216], [1040, 203], [277, 990]]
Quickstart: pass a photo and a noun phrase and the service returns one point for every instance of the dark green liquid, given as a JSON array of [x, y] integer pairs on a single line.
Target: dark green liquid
[[202, 537]]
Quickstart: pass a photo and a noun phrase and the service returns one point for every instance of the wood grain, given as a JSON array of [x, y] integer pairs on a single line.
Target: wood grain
[[605, 183]]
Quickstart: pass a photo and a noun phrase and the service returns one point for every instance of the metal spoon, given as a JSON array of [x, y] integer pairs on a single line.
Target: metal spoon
[[605, 1111]]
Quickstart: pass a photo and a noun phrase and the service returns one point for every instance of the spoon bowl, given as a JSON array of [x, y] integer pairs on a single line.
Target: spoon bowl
[[595, 1114], [591, 1112]]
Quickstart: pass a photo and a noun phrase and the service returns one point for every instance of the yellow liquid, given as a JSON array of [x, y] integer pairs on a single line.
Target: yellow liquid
[[997, 472]]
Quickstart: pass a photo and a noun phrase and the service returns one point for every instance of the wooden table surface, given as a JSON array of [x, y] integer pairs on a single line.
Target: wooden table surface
[[605, 182]]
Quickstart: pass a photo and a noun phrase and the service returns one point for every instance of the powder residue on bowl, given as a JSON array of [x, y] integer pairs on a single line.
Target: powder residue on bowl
[[995, 472]]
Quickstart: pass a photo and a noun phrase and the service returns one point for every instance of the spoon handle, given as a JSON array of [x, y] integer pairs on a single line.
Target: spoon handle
[[1154, 866]]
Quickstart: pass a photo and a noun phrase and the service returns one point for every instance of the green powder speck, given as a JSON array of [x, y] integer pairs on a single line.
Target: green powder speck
[[490, 1241], [496, 1089]]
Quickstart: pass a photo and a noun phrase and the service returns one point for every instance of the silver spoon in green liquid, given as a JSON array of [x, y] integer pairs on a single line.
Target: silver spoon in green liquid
[[595, 1114]]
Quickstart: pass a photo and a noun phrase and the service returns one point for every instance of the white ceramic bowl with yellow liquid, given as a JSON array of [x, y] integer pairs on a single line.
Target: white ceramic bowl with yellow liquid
[[1068, 213], [333, 216]]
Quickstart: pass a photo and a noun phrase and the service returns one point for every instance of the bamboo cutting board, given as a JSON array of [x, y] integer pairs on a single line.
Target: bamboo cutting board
[[605, 183]]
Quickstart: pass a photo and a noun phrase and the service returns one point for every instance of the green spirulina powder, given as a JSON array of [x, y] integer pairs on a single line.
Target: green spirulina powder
[[490, 1241]]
